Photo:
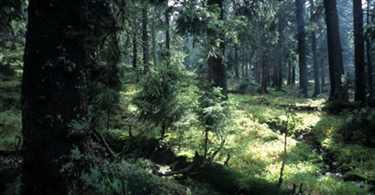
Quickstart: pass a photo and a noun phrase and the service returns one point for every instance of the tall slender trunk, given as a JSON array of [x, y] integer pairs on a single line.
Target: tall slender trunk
[[236, 63], [303, 79], [323, 74], [317, 89], [279, 65], [135, 45], [359, 54], [153, 37], [265, 75], [368, 53], [145, 44], [258, 66], [167, 37], [339, 91]]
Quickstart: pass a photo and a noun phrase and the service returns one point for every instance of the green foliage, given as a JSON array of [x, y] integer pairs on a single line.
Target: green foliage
[[161, 99], [215, 117], [10, 98], [10, 129], [125, 178], [354, 126], [229, 181], [246, 87]]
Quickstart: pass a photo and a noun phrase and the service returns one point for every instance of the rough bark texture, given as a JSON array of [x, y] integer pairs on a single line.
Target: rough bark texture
[[303, 80], [338, 92], [359, 54], [216, 67], [55, 121], [317, 89]]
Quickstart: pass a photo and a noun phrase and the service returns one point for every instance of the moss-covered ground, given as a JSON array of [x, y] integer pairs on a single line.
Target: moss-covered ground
[[254, 143]]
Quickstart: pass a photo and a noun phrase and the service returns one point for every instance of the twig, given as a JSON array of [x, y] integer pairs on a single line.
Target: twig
[[104, 143]]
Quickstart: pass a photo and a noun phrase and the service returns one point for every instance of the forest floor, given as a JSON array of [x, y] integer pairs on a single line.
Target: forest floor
[[326, 153]]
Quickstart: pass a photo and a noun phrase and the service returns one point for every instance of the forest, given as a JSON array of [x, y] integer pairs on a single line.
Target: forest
[[187, 97]]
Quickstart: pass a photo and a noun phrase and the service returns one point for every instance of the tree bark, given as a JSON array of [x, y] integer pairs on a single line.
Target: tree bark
[[359, 54], [167, 37], [368, 53], [236, 63], [56, 134], [153, 37], [135, 45], [145, 45], [265, 75], [317, 89], [339, 91], [303, 79], [216, 67]]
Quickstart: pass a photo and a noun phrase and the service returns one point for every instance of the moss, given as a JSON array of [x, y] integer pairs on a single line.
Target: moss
[[230, 181]]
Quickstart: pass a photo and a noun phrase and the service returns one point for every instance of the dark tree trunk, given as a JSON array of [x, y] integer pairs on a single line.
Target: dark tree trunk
[[323, 74], [303, 80], [216, 66], [258, 67], [279, 68], [317, 89], [289, 81], [145, 44], [339, 91], [236, 63], [368, 54], [293, 75], [265, 75], [135, 45], [359, 54], [56, 134], [153, 37], [167, 37]]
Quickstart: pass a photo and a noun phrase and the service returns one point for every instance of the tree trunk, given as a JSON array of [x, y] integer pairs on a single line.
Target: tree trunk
[[153, 37], [359, 54], [236, 63], [323, 74], [368, 54], [258, 66], [145, 44], [317, 90], [339, 91], [135, 45], [56, 134], [303, 79], [289, 81], [167, 37], [265, 75], [216, 66], [279, 68]]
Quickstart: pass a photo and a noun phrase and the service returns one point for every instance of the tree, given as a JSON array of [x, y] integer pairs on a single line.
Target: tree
[[336, 68], [359, 53], [317, 89], [369, 40], [303, 80], [145, 44], [216, 66], [55, 115]]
